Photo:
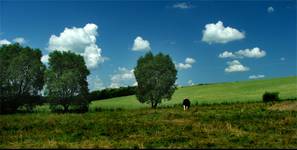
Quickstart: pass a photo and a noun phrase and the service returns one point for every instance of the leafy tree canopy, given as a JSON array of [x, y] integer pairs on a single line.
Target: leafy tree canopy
[[155, 76], [66, 80], [21, 75]]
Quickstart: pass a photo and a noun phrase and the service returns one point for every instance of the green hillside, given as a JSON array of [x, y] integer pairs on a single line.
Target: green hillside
[[242, 91]]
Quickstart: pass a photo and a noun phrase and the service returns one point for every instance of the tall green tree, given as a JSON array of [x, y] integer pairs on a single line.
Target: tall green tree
[[22, 76], [66, 80], [155, 76]]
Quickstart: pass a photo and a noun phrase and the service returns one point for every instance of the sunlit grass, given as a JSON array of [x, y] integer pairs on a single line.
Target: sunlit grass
[[243, 91]]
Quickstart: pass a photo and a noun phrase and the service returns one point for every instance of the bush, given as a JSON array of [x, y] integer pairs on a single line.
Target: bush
[[56, 108], [270, 96], [75, 104], [22, 103], [9, 104]]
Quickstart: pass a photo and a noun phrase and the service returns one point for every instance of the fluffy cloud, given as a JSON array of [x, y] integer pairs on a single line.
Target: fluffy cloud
[[141, 44], [256, 76], [270, 9], [190, 82], [190, 60], [135, 83], [188, 64], [217, 33], [123, 77], [249, 53], [227, 54], [182, 66], [282, 58], [95, 83], [81, 41], [182, 5], [235, 66], [44, 59], [4, 42], [19, 40]]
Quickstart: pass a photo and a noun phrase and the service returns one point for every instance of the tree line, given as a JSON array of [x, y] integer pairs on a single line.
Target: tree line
[[112, 92], [24, 77], [64, 82]]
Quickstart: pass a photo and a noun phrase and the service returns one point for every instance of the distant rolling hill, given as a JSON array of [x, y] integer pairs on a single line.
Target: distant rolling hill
[[241, 91]]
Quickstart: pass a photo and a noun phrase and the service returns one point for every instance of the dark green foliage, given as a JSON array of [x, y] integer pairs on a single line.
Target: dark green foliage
[[66, 81], [21, 77], [155, 76], [270, 96], [29, 103], [112, 92]]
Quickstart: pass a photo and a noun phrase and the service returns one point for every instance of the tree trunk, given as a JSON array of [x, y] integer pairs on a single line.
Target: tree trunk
[[154, 105], [66, 108]]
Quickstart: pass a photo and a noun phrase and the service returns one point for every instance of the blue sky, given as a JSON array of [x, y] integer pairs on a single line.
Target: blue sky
[[258, 37]]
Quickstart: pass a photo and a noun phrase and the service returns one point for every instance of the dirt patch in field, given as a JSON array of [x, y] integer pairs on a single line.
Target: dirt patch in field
[[284, 106]]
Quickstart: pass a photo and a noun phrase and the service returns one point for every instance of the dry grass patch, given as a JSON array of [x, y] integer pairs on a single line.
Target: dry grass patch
[[284, 106]]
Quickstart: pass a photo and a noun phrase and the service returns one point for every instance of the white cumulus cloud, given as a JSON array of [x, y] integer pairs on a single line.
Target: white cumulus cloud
[[190, 60], [19, 40], [182, 66], [251, 53], [270, 9], [248, 53], [4, 42], [182, 5], [81, 41], [140, 44], [227, 54], [44, 59], [217, 33], [256, 76], [95, 83], [135, 83], [188, 64], [190, 82], [123, 77], [235, 66]]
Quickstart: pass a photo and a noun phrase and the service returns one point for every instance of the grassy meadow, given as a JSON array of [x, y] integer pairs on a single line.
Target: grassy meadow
[[223, 115], [242, 91], [238, 125]]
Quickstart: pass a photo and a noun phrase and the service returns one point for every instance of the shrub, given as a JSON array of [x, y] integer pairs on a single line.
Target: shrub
[[56, 108], [22, 103], [270, 96]]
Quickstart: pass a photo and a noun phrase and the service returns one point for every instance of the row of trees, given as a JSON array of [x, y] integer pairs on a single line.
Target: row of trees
[[23, 77], [64, 81], [112, 92]]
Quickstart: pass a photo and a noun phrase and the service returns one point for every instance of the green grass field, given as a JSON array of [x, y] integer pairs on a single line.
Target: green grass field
[[228, 115], [243, 91], [238, 125]]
